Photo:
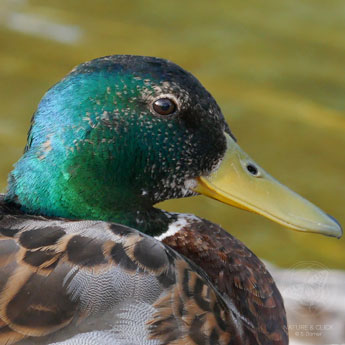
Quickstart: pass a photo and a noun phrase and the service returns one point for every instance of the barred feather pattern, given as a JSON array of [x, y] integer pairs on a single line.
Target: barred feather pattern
[[71, 282]]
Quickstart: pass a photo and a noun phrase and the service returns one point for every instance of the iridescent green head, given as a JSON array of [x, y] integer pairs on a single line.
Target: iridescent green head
[[121, 133], [115, 136]]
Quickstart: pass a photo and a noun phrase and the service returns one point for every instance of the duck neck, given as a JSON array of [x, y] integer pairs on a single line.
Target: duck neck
[[41, 190], [152, 221]]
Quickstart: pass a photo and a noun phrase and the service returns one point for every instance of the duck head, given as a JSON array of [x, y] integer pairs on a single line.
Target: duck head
[[122, 133]]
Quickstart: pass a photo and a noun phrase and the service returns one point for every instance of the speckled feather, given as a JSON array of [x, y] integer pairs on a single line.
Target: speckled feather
[[58, 274], [61, 279]]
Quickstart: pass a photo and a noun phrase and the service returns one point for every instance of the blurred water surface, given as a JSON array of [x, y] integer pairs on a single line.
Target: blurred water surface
[[275, 67]]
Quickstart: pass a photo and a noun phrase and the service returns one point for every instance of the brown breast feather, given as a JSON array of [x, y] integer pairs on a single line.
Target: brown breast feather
[[239, 274]]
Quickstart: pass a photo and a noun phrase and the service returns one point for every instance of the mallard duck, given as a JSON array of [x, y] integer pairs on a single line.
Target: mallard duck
[[85, 258]]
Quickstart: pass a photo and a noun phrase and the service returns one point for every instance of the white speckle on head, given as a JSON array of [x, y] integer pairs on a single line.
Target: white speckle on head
[[183, 220], [189, 185], [105, 115], [217, 165]]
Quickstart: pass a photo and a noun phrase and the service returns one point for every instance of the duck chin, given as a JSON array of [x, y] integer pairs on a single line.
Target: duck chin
[[189, 185], [176, 189]]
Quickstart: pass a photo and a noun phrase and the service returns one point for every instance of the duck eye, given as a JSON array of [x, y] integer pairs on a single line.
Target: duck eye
[[164, 106]]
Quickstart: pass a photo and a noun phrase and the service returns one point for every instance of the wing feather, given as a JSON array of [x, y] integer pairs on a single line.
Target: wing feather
[[65, 281]]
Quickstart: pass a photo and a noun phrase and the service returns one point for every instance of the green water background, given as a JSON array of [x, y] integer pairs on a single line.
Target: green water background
[[277, 69]]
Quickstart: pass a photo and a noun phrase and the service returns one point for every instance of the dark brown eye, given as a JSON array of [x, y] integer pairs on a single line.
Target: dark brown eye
[[164, 106]]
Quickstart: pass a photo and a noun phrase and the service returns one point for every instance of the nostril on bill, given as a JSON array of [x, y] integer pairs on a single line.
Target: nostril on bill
[[252, 169]]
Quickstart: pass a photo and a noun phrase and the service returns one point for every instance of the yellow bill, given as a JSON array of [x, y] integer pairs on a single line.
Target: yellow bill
[[242, 183]]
